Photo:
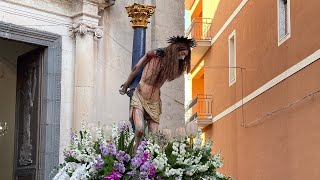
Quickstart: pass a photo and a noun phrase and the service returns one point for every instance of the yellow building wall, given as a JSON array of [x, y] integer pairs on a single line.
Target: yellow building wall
[[209, 8]]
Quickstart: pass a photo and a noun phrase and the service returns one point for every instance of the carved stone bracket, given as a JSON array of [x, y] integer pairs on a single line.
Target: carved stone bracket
[[140, 14], [82, 29], [106, 3]]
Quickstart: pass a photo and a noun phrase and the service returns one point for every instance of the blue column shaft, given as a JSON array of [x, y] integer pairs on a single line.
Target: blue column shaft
[[139, 50]]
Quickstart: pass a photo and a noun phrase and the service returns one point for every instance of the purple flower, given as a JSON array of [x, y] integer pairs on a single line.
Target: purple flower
[[143, 174], [103, 149], [114, 175], [152, 172], [148, 169], [126, 158], [145, 156], [73, 137], [67, 153], [144, 167], [119, 167], [131, 173], [141, 147], [120, 155], [112, 149], [99, 163], [141, 155], [123, 127], [136, 162]]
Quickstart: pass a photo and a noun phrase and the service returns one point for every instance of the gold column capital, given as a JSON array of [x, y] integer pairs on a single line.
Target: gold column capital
[[140, 14]]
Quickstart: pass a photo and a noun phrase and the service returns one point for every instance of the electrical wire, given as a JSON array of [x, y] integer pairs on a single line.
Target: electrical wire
[[256, 122]]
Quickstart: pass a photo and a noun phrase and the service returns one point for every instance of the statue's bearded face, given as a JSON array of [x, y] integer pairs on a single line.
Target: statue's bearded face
[[182, 54]]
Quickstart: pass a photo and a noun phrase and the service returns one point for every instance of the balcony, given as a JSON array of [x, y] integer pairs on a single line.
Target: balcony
[[200, 30], [200, 109]]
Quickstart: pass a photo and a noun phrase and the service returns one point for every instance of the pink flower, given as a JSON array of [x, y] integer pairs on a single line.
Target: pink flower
[[113, 176]]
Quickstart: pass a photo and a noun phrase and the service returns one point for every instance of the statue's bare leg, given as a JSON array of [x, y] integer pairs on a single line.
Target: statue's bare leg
[[139, 126], [152, 126]]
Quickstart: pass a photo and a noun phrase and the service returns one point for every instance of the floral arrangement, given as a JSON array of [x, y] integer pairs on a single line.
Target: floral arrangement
[[156, 158]]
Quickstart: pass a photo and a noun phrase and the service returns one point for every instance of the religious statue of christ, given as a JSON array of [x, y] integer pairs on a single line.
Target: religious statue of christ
[[159, 66]]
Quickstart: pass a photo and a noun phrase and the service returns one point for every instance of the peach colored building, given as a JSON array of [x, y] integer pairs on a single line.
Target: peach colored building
[[255, 85]]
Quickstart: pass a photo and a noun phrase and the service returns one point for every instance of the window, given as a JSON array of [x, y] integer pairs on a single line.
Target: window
[[232, 58], [283, 20]]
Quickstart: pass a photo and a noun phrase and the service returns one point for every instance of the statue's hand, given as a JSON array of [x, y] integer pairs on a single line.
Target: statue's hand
[[123, 89]]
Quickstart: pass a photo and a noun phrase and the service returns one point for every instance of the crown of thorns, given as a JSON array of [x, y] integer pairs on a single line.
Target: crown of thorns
[[181, 39]]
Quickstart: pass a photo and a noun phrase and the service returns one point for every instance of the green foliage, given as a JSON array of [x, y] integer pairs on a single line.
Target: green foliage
[[126, 177], [71, 159], [108, 165], [169, 178], [171, 158], [96, 147], [130, 148]]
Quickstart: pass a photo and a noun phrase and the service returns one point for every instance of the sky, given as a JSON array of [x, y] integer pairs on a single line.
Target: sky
[[186, 19]]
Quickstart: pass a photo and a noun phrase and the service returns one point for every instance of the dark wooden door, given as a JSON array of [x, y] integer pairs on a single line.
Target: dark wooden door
[[27, 135]]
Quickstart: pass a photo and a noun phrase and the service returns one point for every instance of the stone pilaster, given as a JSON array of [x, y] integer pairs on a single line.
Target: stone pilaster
[[86, 31]]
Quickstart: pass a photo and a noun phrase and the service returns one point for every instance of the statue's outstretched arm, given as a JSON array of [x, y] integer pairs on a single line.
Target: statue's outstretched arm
[[142, 62]]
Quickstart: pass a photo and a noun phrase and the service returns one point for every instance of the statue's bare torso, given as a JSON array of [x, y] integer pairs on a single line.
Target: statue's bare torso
[[148, 87]]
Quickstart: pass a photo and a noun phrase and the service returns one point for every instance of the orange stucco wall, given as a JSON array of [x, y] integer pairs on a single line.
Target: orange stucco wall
[[285, 144], [198, 87], [222, 12]]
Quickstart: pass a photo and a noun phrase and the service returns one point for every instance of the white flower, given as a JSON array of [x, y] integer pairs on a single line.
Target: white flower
[[115, 133], [152, 148], [197, 159], [92, 168], [190, 172], [80, 173], [62, 175], [219, 175], [183, 148], [160, 162], [198, 140], [203, 168], [187, 161], [70, 167], [173, 172]]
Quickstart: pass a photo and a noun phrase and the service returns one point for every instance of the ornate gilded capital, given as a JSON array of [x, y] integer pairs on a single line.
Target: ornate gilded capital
[[82, 29], [140, 14]]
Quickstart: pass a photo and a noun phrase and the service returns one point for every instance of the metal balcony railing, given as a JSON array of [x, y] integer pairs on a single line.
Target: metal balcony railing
[[199, 29], [200, 107]]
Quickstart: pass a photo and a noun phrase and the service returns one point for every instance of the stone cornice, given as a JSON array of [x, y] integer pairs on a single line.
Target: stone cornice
[[85, 14], [102, 4], [66, 7]]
